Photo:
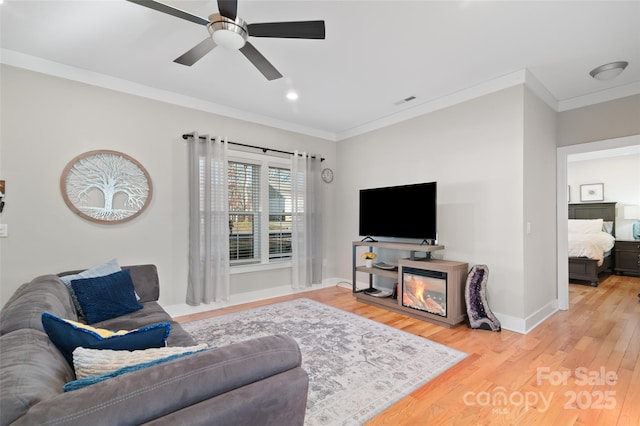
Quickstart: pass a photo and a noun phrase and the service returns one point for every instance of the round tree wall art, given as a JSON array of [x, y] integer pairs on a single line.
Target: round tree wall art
[[106, 186]]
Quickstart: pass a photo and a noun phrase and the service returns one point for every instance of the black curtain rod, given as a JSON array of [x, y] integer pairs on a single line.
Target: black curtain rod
[[263, 149]]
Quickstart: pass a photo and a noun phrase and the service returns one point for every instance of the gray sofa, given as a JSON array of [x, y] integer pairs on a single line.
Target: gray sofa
[[257, 382]]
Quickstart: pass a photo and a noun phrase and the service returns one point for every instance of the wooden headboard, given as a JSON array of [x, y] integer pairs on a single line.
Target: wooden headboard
[[604, 211]]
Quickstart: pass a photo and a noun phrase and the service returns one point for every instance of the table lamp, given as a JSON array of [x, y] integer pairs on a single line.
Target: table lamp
[[633, 212]]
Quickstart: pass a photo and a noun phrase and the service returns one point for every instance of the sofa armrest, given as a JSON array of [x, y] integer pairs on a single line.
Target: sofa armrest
[[279, 400], [153, 392]]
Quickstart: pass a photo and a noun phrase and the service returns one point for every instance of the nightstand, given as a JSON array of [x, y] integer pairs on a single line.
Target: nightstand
[[627, 257]]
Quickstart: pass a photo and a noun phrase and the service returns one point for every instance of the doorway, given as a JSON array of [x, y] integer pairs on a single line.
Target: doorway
[[563, 154]]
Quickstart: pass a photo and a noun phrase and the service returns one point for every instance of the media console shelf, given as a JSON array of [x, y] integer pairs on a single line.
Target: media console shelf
[[444, 280]]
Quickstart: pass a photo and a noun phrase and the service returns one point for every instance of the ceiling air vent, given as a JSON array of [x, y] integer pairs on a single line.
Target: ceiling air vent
[[405, 100]]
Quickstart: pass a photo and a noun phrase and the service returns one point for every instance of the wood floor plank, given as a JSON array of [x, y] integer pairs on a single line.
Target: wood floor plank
[[600, 330]]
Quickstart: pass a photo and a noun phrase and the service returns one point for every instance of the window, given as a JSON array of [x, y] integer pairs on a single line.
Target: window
[[259, 235], [279, 213]]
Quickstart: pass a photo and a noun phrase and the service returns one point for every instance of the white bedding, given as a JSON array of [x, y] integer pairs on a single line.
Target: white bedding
[[592, 245]]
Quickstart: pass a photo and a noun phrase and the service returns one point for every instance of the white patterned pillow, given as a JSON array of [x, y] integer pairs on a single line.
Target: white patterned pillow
[[95, 362]]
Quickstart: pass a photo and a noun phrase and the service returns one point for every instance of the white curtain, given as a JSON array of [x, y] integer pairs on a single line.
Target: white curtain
[[306, 233], [208, 221]]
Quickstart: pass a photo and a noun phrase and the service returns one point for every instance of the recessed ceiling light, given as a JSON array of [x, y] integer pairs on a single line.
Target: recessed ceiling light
[[292, 96], [608, 71]]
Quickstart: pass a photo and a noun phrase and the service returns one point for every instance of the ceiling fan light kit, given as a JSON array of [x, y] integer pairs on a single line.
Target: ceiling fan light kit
[[228, 33], [228, 30]]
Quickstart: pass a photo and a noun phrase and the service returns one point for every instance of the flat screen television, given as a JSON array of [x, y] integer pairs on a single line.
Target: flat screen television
[[406, 211]]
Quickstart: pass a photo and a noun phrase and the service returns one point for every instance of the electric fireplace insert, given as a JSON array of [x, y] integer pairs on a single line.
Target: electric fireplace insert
[[424, 290]]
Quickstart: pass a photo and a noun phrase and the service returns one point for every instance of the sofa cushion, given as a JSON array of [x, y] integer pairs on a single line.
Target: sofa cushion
[[106, 297], [105, 268], [68, 335], [151, 313], [146, 281], [32, 370], [43, 294]]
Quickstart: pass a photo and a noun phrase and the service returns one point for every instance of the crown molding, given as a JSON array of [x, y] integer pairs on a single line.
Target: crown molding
[[599, 97], [32, 63], [524, 77], [491, 86]]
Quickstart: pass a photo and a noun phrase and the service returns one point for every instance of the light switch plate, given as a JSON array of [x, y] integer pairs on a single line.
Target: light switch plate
[[4, 230]]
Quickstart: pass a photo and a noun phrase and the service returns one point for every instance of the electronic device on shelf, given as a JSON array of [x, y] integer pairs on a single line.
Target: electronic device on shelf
[[377, 293], [387, 266], [382, 293], [391, 212]]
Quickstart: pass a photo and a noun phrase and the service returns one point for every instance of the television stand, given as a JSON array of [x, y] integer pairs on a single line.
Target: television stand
[[455, 274]]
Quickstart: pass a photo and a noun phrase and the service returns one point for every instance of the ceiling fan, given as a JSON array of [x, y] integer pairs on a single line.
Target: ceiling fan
[[228, 30]]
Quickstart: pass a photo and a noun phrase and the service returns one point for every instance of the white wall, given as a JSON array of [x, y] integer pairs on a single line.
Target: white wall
[[621, 178], [474, 151], [47, 121]]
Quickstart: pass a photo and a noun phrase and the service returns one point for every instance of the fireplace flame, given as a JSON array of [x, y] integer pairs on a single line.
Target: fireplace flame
[[420, 293], [416, 294]]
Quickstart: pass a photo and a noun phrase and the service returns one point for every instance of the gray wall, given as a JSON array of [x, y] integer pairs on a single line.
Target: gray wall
[[47, 121], [475, 151], [607, 120], [539, 221], [493, 158]]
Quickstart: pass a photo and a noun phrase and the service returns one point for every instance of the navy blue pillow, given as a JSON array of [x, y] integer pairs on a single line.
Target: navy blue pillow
[[68, 335], [106, 297]]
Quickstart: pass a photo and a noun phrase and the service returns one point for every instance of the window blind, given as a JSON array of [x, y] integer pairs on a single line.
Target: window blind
[[279, 213], [244, 212]]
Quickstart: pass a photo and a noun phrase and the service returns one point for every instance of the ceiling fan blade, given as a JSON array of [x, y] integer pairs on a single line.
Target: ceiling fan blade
[[170, 10], [228, 8], [197, 52], [300, 29], [260, 62]]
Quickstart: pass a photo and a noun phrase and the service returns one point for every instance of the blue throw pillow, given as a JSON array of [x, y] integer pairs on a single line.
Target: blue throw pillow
[[68, 335], [106, 297], [105, 268]]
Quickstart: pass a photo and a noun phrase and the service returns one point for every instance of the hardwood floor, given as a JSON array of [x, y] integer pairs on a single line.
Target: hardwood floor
[[579, 367]]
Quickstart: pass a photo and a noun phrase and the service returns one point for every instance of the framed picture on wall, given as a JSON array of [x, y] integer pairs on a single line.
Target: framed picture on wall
[[592, 192]]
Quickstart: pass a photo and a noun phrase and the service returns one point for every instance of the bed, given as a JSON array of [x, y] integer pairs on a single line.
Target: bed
[[585, 261]]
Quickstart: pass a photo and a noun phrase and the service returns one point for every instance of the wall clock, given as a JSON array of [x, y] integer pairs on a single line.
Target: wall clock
[[106, 187], [327, 175]]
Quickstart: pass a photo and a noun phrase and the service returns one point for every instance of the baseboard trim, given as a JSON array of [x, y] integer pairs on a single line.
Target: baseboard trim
[[181, 309], [541, 315], [507, 322], [526, 325]]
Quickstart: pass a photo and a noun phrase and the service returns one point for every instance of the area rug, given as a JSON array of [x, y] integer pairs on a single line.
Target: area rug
[[357, 367]]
